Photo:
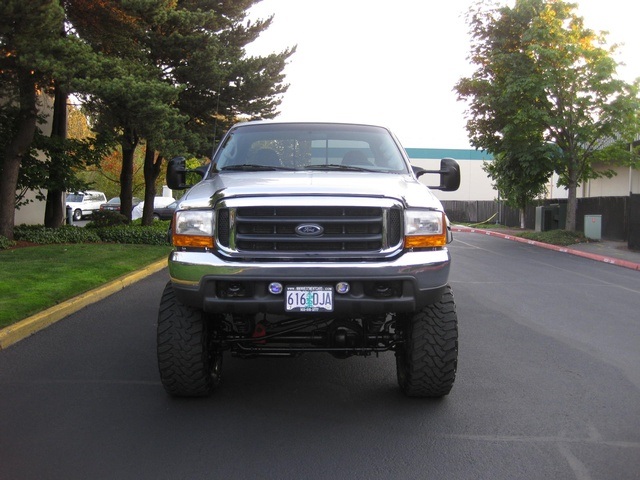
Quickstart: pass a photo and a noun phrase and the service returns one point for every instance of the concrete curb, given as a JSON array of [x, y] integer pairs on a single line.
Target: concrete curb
[[24, 328], [592, 256]]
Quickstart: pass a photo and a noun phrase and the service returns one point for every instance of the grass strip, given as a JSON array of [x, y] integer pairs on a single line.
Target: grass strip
[[35, 278]]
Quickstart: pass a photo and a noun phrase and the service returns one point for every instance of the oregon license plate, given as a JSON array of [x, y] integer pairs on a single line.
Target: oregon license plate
[[309, 299]]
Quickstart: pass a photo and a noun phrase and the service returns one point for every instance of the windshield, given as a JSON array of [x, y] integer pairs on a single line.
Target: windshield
[[305, 146]]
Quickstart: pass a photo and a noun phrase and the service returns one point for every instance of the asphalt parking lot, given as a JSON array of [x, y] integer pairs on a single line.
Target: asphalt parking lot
[[548, 386]]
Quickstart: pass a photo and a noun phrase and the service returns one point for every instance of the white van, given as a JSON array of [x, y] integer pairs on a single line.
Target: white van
[[85, 203]]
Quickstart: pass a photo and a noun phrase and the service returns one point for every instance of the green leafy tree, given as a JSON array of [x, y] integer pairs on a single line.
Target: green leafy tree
[[30, 48], [35, 167], [518, 179], [39, 58], [545, 98], [507, 107]]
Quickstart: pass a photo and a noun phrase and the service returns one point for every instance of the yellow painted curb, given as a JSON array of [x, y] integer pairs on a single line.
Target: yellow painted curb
[[22, 329]]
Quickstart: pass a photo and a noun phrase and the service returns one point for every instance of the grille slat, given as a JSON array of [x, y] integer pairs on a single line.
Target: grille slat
[[270, 219], [322, 239]]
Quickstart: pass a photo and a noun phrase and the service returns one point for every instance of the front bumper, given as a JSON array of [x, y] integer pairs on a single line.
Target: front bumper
[[404, 284]]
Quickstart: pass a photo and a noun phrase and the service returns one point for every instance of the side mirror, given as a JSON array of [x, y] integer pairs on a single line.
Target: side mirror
[[449, 175], [177, 173]]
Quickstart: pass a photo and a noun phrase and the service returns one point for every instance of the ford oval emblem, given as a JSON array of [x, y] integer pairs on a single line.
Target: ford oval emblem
[[309, 229]]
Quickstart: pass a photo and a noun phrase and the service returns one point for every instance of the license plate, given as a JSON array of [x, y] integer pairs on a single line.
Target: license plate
[[309, 299]]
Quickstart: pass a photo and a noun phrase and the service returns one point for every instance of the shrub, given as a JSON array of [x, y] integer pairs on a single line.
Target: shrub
[[64, 234], [106, 218], [6, 243], [556, 237], [157, 224], [134, 234]]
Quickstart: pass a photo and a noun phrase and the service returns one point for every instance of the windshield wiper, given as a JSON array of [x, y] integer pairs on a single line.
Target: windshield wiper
[[333, 166], [251, 167]]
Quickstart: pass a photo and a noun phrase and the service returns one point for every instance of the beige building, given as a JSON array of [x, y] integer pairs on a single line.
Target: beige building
[[476, 185]]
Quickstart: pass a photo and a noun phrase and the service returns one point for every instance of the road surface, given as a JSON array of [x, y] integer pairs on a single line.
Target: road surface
[[548, 386]]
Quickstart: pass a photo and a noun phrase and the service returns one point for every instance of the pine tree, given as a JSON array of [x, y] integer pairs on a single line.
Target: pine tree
[[200, 49], [27, 67], [182, 77]]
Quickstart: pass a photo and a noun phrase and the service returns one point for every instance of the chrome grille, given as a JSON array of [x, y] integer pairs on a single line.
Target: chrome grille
[[342, 229]]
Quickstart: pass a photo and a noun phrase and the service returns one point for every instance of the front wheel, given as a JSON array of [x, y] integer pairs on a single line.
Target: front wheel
[[190, 366], [427, 359], [77, 215]]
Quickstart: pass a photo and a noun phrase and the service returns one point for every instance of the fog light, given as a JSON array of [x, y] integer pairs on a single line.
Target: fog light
[[383, 290], [234, 290], [275, 288], [342, 287]]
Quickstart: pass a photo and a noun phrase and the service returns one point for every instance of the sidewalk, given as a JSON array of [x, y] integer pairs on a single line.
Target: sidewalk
[[607, 251]]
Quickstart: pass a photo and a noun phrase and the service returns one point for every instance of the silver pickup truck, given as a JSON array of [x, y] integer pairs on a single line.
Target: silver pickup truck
[[309, 237]]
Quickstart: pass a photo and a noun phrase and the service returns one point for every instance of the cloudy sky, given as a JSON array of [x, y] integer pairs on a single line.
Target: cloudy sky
[[395, 63]]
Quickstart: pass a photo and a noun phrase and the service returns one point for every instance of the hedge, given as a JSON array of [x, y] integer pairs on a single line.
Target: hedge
[[132, 234]]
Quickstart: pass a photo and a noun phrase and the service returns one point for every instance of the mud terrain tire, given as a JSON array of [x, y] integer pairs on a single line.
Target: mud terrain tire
[[189, 366], [426, 362]]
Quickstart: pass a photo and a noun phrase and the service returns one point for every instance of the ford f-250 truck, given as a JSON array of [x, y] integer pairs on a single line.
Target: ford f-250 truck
[[309, 237]]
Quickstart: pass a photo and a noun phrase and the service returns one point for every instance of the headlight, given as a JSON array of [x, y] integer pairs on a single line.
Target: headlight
[[193, 228], [424, 228]]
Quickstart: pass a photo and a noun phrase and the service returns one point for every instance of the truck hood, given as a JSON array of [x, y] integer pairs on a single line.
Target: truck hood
[[403, 188]]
